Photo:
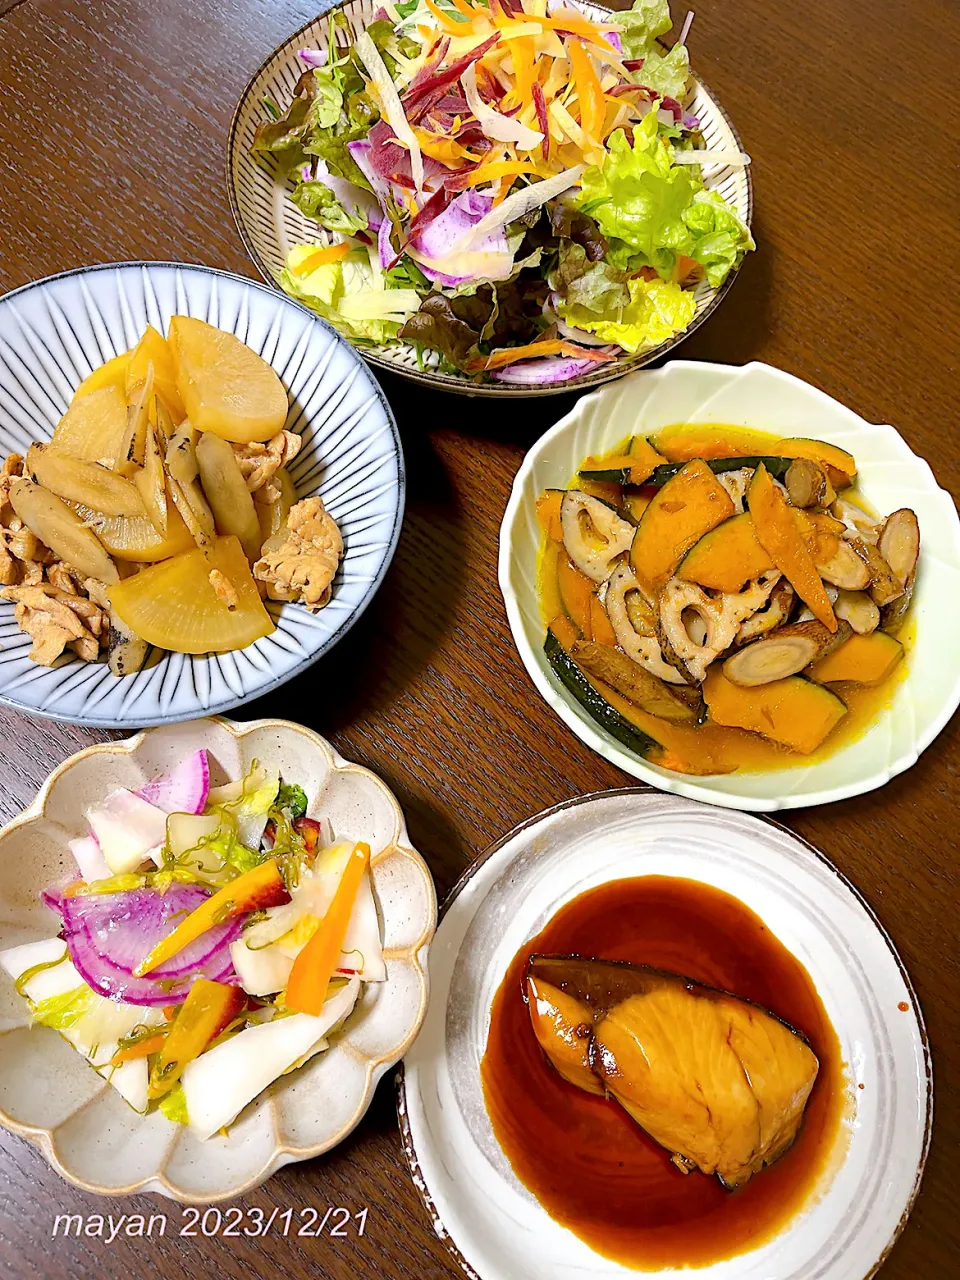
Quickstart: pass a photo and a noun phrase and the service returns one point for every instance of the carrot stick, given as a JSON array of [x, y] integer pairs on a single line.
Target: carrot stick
[[316, 963]]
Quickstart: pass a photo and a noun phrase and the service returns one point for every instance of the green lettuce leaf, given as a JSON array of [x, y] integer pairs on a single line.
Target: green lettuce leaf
[[656, 311], [315, 199], [720, 238], [639, 196], [667, 74], [323, 289], [327, 102], [652, 210], [598, 286], [641, 25]]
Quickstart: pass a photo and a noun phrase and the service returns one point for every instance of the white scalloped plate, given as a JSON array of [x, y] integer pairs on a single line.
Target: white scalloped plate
[[48, 1093], [270, 224], [53, 332], [890, 476], [493, 1225]]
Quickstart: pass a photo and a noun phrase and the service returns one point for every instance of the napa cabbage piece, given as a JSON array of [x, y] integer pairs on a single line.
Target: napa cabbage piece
[[326, 288], [60, 999], [656, 311]]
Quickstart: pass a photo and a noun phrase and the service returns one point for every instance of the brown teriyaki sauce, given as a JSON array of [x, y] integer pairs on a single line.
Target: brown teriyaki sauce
[[588, 1163]]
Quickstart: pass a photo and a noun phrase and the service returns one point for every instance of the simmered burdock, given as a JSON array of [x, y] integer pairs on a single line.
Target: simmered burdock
[[717, 1081]]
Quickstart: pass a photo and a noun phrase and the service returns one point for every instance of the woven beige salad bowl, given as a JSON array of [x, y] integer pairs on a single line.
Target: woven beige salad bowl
[[270, 224], [51, 1097]]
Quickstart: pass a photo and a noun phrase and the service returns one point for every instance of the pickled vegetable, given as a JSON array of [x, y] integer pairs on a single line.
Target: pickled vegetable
[[225, 387], [174, 605]]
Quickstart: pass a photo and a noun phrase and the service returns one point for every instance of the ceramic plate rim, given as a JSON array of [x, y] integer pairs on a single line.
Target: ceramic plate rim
[[406, 1133], [41, 1136], [590, 733], [442, 382], [233, 701]]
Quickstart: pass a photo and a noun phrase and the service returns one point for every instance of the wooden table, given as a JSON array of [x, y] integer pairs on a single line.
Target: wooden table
[[113, 123]]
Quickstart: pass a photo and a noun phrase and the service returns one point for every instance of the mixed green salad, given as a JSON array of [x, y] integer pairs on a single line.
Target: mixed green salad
[[211, 940], [511, 187]]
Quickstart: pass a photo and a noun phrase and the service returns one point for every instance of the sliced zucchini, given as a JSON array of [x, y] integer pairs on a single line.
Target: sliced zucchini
[[594, 535], [596, 706], [778, 467]]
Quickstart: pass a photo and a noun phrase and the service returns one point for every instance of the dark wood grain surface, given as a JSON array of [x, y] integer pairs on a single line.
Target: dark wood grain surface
[[113, 122]]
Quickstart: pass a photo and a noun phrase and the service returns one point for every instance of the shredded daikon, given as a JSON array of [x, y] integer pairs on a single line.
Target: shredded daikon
[[379, 304], [518, 205], [390, 101], [497, 127], [734, 159]]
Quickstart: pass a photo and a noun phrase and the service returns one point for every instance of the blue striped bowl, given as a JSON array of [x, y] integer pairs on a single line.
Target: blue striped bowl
[[55, 331]]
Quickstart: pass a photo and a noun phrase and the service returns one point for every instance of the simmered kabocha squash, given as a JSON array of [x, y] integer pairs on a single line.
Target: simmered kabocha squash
[[683, 442], [840, 466], [794, 712], [727, 557], [687, 507], [174, 605], [863, 659]]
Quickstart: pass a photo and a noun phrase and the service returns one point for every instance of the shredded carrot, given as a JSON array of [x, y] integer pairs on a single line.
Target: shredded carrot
[[317, 962], [549, 347], [593, 107], [499, 169], [467, 10], [142, 1049], [333, 253], [523, 70]]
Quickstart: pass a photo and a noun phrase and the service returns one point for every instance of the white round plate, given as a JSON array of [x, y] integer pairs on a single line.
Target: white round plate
[[55, 331], [48, 1093], [890, 475], [270, 224], [494, 1226]]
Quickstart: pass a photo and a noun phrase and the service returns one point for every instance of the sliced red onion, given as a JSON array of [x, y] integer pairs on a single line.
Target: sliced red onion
[[689, 121], [109, 934], [685, 29], [313, 58], [543, 372], [184, 789], [613, 38], [490, 254], [385, 251], [52, 897]]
